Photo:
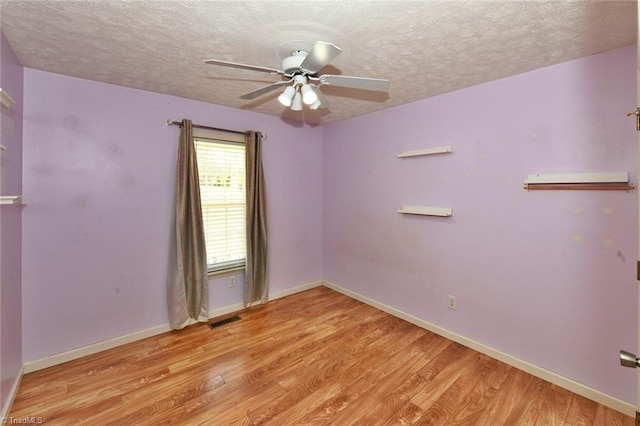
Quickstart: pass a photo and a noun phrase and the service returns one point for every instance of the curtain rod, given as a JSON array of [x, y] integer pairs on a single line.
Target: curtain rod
[[588, 186], [198, 126]]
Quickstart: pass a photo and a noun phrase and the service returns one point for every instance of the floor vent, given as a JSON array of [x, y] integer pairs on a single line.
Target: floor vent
[[224, 321]]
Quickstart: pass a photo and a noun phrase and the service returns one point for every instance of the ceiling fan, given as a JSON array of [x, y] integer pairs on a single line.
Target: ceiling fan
[[302, 79]]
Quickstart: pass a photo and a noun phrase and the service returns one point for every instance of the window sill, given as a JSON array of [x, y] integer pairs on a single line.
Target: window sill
[[224, 272]]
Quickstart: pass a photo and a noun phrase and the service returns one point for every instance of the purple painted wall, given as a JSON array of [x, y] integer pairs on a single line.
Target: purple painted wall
[[11, 79], [99, 170], [546, 276]]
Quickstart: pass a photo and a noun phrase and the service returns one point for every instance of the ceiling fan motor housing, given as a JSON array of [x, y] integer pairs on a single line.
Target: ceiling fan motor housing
[[291, 64]]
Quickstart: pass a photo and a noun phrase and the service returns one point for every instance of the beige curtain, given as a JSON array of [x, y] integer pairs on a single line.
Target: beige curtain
[[256, 288], [188, 286]]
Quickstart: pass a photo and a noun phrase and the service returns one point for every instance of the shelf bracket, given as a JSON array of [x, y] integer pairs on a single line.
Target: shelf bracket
[[637, 114]]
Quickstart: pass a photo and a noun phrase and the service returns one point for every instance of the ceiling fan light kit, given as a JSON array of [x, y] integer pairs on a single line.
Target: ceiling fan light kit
[[309, 96], [287, 96], [314, 106], [300, 68], [296, 103]]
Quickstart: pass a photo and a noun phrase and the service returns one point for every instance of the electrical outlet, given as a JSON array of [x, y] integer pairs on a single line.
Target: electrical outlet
[[453, 303], [232, 281]]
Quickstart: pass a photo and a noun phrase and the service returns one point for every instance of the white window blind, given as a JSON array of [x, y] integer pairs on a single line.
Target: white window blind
[[221, 168]]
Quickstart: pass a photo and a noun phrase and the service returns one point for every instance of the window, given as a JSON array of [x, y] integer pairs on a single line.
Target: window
[[221, 169]]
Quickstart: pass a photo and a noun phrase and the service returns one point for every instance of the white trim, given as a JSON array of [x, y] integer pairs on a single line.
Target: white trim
[[6, 409], [427, 211], [224, 272], [218, 312], [562, 381], [427, 151], [609, 177], [288, 292], [294, 290], [56, 359]]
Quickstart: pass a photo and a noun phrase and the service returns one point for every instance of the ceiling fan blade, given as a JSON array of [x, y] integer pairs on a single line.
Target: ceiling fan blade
[[354, 82], [243, 66], [321, 54], [263, 90]]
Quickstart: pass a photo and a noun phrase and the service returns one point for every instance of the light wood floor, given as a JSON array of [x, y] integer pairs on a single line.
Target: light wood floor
[[316, 357]]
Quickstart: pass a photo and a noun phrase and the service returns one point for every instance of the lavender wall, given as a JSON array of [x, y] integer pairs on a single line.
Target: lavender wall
[[99, 165], [547, 276], [11, 79]]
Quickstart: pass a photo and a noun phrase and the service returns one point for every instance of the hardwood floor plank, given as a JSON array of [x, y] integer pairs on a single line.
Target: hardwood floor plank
[[409, 414], [461, 401], [529, 406], [325, 376], [314, 358], [392, 401], [456, 359], [297, 349], [394, 367], [555, 407], [581, 411], [507, 398], [484, 383], [609, 417]]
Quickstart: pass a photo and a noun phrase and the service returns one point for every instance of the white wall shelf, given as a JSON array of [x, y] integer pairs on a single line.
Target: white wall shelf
[[6, 100], [579, 181], [609, 177], [427, 211], [9, 199], [427, 151]]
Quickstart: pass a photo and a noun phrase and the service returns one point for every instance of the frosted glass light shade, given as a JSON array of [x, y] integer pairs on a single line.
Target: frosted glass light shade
[[287, 96], [309, 95], [296, 103]]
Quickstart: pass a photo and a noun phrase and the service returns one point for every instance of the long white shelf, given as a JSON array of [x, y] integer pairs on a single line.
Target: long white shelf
[[427, 211], [427, 151], [9, 199], [609, 177]]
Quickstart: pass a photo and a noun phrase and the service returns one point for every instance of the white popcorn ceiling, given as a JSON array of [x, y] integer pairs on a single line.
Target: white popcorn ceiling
[[424, 47]]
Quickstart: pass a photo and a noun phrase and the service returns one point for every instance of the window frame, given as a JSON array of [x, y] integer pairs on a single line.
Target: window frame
[[221, 137]]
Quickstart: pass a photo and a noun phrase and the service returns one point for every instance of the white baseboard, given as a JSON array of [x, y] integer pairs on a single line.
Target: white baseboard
[[557, 379], [6, 408], [226, 310], [92, 349], [56, 359], [294, 290]]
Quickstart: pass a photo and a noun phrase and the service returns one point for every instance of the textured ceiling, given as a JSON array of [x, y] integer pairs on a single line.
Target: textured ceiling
[[424, 47]]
